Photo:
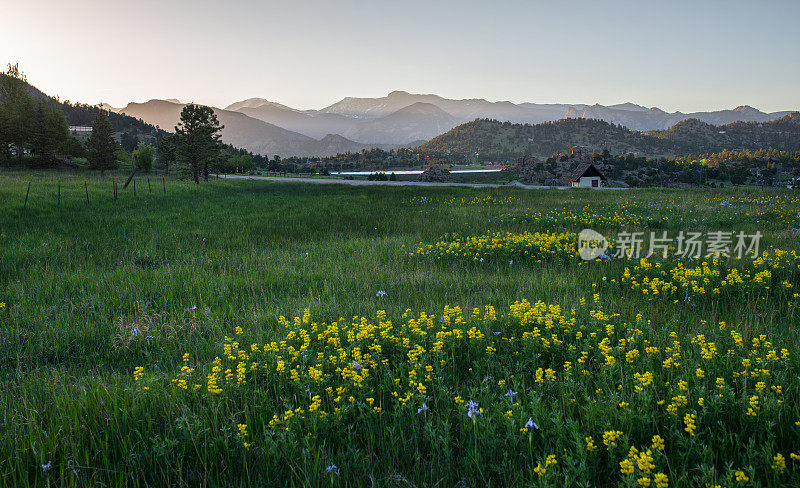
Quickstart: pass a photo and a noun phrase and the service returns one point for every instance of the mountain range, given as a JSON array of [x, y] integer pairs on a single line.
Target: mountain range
[[241, 130], [402, 119]]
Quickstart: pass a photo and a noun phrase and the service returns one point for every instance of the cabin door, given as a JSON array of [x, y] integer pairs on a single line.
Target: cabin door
[[595, 183]]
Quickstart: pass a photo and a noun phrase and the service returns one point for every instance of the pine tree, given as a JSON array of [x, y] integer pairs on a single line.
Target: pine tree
[[198, 139], [38, 137], [49, 129], [5, 136], [103, 148], [167, 151]]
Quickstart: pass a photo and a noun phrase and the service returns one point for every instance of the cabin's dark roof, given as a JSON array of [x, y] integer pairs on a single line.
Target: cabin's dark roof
[[585, 169]]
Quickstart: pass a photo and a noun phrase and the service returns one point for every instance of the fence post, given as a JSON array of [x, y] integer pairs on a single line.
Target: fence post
[[164, 183], [26, 196], [149, 189], [59, 193], [134, 187], [86, 187], [133, 173]]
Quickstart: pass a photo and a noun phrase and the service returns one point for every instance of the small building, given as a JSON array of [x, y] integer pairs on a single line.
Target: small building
[[587, 176]]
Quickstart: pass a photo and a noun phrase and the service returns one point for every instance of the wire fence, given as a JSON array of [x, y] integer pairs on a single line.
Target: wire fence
[[64, 192]]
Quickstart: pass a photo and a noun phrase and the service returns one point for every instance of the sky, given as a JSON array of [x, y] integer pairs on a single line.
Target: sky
[[677, 55]]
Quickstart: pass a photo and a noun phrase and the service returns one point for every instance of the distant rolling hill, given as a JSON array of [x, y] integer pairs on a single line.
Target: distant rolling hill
[[315, 125], [408, 123], [418, 121], [643, 119], [506, 141], [460, 110], [694, 136]]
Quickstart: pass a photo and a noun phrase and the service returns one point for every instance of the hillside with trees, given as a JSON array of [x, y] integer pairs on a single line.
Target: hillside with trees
[[764, 167], [503, 141], [694, 136], [35, 128]]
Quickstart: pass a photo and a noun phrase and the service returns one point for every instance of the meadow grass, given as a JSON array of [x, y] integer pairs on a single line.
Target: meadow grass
[[95, 291]]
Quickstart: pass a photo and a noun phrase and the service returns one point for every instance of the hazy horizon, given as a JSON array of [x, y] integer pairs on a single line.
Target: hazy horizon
[[307, 55], [226, 104]]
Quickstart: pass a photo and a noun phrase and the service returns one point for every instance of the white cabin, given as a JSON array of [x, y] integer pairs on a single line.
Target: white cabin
[[587, 176]]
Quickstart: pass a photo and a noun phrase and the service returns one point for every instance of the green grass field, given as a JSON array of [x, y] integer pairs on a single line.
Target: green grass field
[[115, 311]]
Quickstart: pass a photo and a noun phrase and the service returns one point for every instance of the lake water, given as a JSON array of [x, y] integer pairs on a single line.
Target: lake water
[[412, 171]]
